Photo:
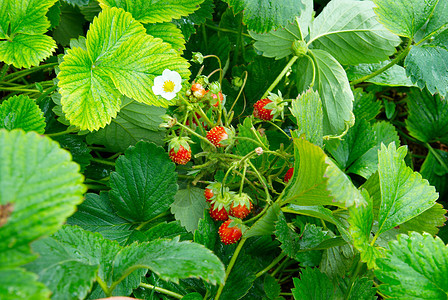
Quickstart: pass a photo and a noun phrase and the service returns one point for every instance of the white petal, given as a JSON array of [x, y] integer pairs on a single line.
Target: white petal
[[166, 73], [168, 96], [159, 81], [157, 90]]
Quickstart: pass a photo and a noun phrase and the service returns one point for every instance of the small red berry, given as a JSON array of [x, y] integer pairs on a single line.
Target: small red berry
[[208, 194], [262, 113], [240, 211], [196, 87], [182, 156], [218, 214], [216, 135], [216, 99], [229, 235], [288, 175]]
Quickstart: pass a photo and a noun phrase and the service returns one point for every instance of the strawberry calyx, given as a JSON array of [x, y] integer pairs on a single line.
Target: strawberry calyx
[[174, 143], [222, 200], [273, 104], [212, 190]]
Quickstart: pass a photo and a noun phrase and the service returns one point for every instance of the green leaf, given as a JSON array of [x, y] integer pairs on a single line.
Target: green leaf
[[404, 194], [366, 106], [271, 287], [361, 220], [169, 33], [154, 11], [361, 288], [262, 16], [96, 214], [135, 122], [332, 85], [168, 231], [437, 22], [321, 213], [433, 171], [246, 129], [19, 284], [350, 32], [171, 260], [394, 76], [404, 17], [188, 207], [428, 221], [53, 15], [385, 133], [426, 65], [428, 116], [206, 232], [415, 267], [78, 149], [77, 2], [120, 59], [289, 239], [307, 109], [70, 26], [278, 42], [144, 183], [21, 112], [314, 285], [266, 224], [187, 24], [336, 261], [22, 26], [39, 188]]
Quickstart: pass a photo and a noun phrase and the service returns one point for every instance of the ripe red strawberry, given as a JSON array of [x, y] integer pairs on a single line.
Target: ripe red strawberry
[[215, 188], [208, 194], [179, 150], [218, 214], [261, 112], [218, 134], [288, 175], [241, 206], [229, 234]]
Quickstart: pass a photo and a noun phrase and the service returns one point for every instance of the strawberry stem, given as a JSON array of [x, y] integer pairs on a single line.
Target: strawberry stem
[[280, 76], [161, 290]]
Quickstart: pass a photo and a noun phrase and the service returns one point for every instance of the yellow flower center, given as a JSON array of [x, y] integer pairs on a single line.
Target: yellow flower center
[[168, 86]]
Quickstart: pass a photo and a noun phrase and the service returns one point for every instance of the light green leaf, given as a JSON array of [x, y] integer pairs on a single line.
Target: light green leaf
[[333, 87], [404, 194], [96, 214], [277, 42], [22, 27], [415, 267], [188, 207], [314, 285], [385, 133], [427, 64], [394, 76], [144, 183], [321, 213], [19, 284], [404, 17], [135, 122], [120, 59], [361, 220], [171, 260], [154, 11], [21, 112], [266, 224], [428, 116], [264, 15], [307, 109], [169, 33], [350, 32], [39, 188]]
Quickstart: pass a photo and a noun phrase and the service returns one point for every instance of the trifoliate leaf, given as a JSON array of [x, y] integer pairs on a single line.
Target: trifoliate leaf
[[404, 17], [96, 214], [20, 112], [314, 285], [144, 183], [307, 109], [428, 116], [331, 83], [120, 59], [262, 16], [361, 220], [19, 284], [135, 122], [188, 207], [404, 194], [22, 27], [426, 64], [415, 267], [154, 11], [169, 33], [350, 32], [394, 76], [39, 188]]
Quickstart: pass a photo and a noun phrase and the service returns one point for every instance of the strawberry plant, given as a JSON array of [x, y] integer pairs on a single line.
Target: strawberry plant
[[223, 149]]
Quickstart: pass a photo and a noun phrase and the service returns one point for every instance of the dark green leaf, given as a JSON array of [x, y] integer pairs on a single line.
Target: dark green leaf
[[78, 149], [361, 289], [314, 285], [70, 26], [243, 147], [433, 171], [206, 232], [428, 116], [336, 261], [394, 76], [415, 267], [168, 231], [188, 207], [40, 188], [54, 15], [271, 287], [144, 183], [21, 112], [19, 284], [266, 224]]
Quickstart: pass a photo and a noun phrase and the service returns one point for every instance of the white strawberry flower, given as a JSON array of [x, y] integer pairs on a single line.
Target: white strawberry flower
[[168, 84]]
